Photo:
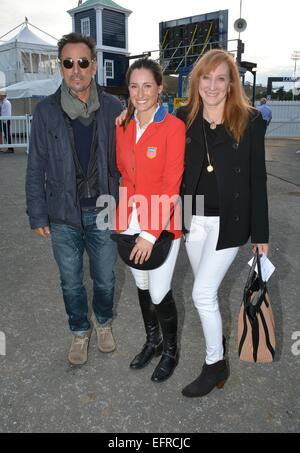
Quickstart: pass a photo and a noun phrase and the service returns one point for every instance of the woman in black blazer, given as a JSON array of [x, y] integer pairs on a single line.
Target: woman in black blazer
[[225, 182]]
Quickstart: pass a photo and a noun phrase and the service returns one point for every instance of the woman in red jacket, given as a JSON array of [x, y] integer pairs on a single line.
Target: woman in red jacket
[[150, 158]]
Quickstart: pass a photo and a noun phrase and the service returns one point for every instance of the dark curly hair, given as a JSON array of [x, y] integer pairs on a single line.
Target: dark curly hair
[[77, 38]]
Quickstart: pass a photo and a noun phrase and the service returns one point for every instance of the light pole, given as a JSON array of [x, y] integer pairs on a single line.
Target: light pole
[[241, 7], [251, 67], [295, 56]]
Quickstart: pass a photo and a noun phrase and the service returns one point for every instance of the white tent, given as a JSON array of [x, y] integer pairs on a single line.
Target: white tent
[[32, 88], [26, 56]]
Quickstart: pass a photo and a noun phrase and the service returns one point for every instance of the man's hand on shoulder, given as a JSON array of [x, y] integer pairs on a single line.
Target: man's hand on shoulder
[[121, 118]]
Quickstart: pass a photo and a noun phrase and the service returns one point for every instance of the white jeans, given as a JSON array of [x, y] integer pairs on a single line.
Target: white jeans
[[209, 268], [157, 281]]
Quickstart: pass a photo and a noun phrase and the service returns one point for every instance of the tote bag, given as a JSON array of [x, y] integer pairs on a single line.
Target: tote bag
[[256, 326]]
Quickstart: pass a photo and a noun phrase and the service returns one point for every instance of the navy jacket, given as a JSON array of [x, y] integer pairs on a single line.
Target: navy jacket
[[51, 190], [241, 178]]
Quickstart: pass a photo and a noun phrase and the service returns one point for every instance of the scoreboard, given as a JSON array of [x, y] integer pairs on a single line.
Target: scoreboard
[[182, 41]]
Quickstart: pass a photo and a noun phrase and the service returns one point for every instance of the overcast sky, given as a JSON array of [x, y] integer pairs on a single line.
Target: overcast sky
[[272, 33]]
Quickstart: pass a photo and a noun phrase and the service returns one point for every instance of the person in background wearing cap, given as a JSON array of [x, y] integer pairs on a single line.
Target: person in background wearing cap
[[1, 136], [266, 112], [6, 111], [150, 158]]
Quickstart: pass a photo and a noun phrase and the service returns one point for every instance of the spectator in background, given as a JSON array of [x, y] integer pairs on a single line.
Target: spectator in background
[[1, 138], [1, 122], [6, 111], [266, 112]]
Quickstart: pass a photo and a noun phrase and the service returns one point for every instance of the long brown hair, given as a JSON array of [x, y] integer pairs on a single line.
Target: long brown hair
[[156, 71], [237, 107]]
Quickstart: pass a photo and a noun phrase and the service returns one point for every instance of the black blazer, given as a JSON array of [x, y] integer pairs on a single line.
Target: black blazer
[[241, 178]]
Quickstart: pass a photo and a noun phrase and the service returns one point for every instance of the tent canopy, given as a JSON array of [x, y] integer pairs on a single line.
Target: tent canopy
[[32, 88], [27, 36], [26, 56]]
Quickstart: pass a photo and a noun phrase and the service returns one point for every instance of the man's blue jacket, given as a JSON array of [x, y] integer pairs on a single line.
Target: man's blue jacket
[[51, 190]]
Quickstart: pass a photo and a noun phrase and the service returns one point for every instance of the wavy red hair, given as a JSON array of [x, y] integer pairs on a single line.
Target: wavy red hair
[[237, 107]]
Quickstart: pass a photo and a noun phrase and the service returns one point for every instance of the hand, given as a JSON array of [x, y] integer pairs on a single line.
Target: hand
[[44, 232], [121, 118], [263, 249], [141, 251]]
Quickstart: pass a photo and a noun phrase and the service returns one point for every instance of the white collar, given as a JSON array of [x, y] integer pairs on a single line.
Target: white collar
[[149, 122]]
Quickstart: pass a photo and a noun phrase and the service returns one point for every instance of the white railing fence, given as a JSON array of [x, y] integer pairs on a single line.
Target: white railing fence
[[15, 131], [286, 119]]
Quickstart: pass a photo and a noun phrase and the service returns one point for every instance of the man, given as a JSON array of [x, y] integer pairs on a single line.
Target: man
[[266, 112], [72, 162], [6, 111]]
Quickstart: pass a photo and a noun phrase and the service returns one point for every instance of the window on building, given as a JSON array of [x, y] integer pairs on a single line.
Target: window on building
[[114, 28], [44, 64], [26, 62], [35, 58], [48, 64], [85, 26], [109, 69]]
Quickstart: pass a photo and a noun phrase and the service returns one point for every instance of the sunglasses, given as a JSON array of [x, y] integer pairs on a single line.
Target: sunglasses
[[83, 63]]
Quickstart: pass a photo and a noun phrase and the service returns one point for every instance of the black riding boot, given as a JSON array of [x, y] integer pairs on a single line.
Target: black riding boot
[[167, 315], [153, 346]]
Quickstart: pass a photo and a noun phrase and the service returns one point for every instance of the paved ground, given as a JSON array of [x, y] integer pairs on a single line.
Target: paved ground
[[40, 392]]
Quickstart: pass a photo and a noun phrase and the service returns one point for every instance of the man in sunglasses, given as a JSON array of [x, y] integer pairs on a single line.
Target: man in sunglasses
[[71, 163]]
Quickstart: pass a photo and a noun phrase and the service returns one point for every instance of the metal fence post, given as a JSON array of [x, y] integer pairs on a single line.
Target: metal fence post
[[27, 125]]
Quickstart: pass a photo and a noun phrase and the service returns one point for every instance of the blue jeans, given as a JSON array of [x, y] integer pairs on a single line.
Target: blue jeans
[[68, 245]]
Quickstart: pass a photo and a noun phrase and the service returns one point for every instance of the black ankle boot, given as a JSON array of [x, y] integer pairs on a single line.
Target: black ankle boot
[[167, 315], [214, 375], [153, 346]]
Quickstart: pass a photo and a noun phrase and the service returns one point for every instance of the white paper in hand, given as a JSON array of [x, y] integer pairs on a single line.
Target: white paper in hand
[[267, 268]]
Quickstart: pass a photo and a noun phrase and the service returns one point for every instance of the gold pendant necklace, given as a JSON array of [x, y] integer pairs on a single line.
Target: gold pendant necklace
[[212, 124], [210, 167]]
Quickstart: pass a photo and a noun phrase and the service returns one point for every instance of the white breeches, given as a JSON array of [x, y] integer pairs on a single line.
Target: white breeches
[[157, 281], [209, 268]]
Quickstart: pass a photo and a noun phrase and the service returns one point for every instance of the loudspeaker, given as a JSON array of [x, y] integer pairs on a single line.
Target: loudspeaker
[[240, 25]]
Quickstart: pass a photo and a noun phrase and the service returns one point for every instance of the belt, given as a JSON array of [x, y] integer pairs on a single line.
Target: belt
[[91, 209]]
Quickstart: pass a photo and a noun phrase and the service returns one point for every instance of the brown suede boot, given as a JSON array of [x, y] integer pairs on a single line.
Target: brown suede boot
[[106, 342], [78, 353]]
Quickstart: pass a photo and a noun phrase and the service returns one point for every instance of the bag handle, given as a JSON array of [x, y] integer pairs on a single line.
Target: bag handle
[[251, 272], [261, 282], [256, 261]]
